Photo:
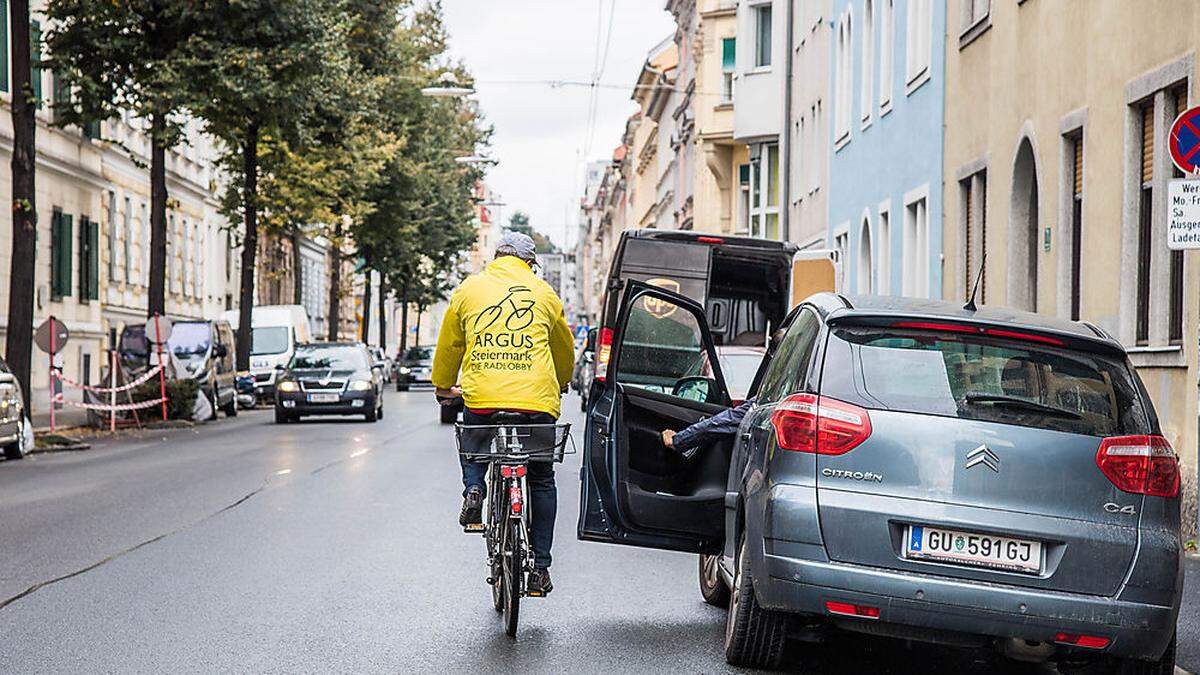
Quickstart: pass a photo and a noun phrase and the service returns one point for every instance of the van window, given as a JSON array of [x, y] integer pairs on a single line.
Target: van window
[[190, 340], [985, 378], [269, 340], [661, 344]]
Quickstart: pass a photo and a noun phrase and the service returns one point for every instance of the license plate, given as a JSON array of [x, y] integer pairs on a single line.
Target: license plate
[[977, 550], [323, 398]]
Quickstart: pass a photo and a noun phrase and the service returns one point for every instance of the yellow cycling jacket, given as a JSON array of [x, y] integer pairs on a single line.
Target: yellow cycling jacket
[[506, 331]]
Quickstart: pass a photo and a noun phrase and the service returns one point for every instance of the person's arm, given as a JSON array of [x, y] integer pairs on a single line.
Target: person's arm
[[562, 348], [451, 346], [724, 423]]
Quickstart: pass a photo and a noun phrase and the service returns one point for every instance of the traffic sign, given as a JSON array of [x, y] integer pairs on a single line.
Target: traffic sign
[[1183, 216], [159, 334], [51, 336], [1184, 141]]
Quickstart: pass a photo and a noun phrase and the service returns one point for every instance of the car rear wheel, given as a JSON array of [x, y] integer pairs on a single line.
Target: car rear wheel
[[754, 637], [17, 449], [712, 586]]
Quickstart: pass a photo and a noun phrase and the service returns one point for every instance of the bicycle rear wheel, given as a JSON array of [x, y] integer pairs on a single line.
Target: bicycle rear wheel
[[514, 576]]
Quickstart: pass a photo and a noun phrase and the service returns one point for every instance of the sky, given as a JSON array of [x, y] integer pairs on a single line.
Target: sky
[[515, 48]]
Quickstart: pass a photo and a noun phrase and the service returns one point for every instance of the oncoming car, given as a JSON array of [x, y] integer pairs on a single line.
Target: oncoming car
[[991, 479], [329, 378]]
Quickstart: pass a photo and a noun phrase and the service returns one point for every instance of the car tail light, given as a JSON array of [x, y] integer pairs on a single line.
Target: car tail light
[[1143, 465], [819, 424], [710, 240], [603, 353], [1086, 641], [850, 609], [979, 330]]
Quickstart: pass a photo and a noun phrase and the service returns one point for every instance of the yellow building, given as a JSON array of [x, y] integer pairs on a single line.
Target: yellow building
[[1056, 166]]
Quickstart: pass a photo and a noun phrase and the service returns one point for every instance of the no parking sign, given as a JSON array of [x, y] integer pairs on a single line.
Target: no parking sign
[[1184, 142], [1183, 216]]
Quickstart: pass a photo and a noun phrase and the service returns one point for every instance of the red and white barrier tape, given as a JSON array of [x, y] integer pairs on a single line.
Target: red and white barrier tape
[[109, 390], [106, 407]]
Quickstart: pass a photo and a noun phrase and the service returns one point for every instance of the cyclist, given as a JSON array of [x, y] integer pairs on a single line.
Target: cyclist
[[505, 332]]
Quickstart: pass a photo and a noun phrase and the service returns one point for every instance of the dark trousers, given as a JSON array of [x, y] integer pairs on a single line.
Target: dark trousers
[[543, 494]]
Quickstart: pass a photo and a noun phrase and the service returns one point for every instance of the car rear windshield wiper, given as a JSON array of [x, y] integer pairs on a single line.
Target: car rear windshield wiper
[[1014, 402]]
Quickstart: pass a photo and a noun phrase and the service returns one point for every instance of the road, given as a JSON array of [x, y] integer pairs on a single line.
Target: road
[[333, 546]]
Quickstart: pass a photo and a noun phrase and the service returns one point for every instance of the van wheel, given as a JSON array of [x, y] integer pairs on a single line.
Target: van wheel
[[17, 449], [1165, 665], [230, 408], [754, 637], [712, 586]]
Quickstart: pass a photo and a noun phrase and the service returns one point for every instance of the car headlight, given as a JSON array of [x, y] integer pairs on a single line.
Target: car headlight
[[404, 370], [288, 386], [361, 385]]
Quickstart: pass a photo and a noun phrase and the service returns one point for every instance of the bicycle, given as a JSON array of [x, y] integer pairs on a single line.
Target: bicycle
[[508, 447]]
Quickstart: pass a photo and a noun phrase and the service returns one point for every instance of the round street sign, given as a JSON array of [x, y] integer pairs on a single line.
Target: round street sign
[[158, 334], [1184, 141], [51, 328]]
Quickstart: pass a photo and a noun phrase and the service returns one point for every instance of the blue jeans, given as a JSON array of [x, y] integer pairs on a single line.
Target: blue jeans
[[543, 494]]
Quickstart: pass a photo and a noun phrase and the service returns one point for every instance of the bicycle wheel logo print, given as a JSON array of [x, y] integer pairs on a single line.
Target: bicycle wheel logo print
[[520, 311]]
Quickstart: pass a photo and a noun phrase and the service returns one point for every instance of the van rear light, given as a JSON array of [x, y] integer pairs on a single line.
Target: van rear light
[[819, 424], [1085, 641], [603, 353], [710, 240], [979, 330], [1142, 465], [850, 609]]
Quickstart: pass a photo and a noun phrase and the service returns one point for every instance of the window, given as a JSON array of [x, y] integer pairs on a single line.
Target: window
[[843, 105], [764, 193], [61, 236], [1145, 221], [762, 34], [4, 86], [973, 12], [128, 227], [918, 36], [883, 257], [728, 63], [89, 259], [916, 249], [1075, 148], [841, 244], [661, 344], [865, 277], [35, 58], [172, 251], [1175, 311], [113, 238], [868, 60], [788, 368], [972, 192], [886, 46]]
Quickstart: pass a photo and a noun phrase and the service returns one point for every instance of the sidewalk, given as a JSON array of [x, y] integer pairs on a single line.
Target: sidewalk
[[1188, 654], [66, 416]]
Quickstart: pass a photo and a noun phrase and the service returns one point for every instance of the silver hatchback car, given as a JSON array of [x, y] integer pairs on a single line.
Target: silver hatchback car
[[989, 479]]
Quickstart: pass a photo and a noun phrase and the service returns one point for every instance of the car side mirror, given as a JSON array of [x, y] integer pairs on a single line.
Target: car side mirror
[[695, 388], [280, 367]]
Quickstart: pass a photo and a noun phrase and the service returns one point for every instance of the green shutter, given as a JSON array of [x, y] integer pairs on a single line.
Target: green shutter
[[62, 96], [55, 259], [93, 260], [64, 239], [729, 54], [92, 130], [35, 58], [4, 45], [84, 258]]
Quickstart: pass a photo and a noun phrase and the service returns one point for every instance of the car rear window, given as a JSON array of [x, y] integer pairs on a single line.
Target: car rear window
[[984, 378]]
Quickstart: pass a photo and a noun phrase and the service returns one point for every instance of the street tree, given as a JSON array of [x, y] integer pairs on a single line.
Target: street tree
[[259, 70], [18, 346], [131, 56]]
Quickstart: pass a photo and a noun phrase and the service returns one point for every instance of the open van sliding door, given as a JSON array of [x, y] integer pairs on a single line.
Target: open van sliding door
[[814, 271], [636, 491]]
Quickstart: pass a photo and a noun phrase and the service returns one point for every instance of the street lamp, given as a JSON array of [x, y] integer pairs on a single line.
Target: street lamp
[[447, 87]]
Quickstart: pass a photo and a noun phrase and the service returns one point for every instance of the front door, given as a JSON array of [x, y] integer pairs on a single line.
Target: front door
[[636, 491]]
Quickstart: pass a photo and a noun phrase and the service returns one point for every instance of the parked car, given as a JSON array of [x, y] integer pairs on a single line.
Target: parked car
[[384, 361], [16, 430], [275, 331], [585, 368], [990, 478], [206, 351], [414, 366], [329, 378]]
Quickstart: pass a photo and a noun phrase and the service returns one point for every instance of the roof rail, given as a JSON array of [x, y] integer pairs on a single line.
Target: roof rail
[[845, 301], [1097, 330]]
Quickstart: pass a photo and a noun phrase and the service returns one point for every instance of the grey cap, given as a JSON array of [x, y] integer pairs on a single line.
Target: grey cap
[[518, 244]]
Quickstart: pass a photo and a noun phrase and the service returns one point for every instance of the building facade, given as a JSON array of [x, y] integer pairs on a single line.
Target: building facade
[[887, 89], [1056, 166], [808, 124], [760, 79]]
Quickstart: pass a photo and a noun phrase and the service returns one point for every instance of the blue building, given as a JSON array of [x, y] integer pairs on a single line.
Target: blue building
[[885, 173]]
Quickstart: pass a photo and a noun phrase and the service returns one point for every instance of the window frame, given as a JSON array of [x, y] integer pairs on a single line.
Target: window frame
[[887, 60], [763, 58]]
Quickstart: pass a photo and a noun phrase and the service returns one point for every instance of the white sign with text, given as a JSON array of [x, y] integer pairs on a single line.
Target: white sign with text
[[1183, 215]]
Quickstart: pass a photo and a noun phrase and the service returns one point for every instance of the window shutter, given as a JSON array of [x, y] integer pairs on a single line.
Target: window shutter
[[93, 290], [55, 262], [728, 54], [1180, 100], [1148, 143], [64, 238], [35, 57], [1077, 151], [84, 258], [4, 86], [61, 96]]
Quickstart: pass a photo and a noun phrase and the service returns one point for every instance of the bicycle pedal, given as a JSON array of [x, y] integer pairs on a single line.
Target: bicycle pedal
[[474, 528]]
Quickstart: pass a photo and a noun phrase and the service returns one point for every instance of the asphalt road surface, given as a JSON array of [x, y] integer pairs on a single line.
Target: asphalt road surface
[[333, 546]]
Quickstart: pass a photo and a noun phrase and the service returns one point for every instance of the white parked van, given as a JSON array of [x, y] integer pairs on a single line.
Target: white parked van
[[275, 330]]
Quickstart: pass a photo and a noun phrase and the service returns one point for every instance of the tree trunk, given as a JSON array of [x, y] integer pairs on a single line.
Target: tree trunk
[[420, 313], [18, 348], [403, 321], [297, 270], [383, 313], [335, 281], [249, 245], [156, 297], [366, 311]]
